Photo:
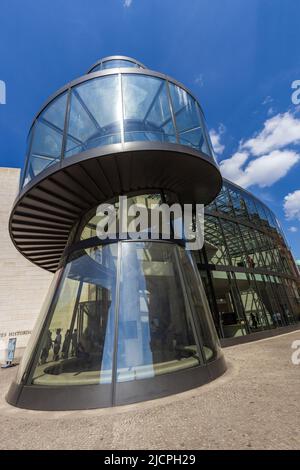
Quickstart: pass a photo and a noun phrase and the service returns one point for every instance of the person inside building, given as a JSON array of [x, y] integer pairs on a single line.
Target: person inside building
[[46, 348], [56, 346], [254, 320], [74, 343], [66, 345]]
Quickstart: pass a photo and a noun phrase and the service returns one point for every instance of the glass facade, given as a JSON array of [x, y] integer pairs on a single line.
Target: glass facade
[[249, 274], [122, 312], [115, 108], [46, 138]]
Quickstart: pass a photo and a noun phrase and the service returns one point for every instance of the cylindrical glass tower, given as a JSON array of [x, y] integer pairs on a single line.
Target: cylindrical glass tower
[[124, 320]]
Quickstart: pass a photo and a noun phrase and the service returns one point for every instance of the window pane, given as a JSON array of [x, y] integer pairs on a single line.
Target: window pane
[[187, 117], [109, 64], [147, 114], [215, 244], [77, 345], [47, 138], [201, 311], [155, 334], [95, 114], [96, 68]]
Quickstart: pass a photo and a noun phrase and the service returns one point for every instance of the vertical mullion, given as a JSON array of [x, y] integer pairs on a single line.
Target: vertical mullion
[[116, 326], [28, 154], [215, 310], [172, 112], [66, 124], [121, 107], [203, 128]]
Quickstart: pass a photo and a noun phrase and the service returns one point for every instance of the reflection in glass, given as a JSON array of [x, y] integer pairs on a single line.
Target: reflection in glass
[[200, 307], [109, 64], [102, 109], [147, 114], [159, 320], [95, 114], [77, 343], [164, 322], [229, 309], [38, 327], [47, 138], [114, 63], [187, 117], [155, 334]]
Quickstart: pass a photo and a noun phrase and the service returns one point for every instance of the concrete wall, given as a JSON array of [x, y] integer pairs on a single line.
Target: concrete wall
[[23, 286]]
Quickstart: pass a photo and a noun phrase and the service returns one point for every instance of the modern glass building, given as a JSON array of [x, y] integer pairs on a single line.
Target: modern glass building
[[248, 271], [129, 320]]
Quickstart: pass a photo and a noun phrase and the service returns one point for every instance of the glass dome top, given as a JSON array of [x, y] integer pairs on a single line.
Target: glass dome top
[[117, 61]]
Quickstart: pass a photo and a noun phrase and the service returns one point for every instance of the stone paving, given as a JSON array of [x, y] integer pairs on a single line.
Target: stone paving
[[254, 405]]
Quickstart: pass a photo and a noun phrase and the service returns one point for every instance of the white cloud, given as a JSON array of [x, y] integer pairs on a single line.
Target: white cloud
[[263, 171], [291, 205], [266, 157], [293, 229], [279, 131], [232, 167], [267, 100], [215, 137], [127, 3], [199, 80]]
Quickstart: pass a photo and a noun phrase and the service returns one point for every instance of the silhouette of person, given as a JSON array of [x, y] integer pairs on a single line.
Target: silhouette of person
[[46, 348], [253, 320], [66, 345], [57, 343], [74, 343]]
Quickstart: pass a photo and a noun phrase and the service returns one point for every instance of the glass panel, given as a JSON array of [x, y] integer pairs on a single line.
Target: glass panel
[[223, 201], [155, 332], [234, 242], [109, 64], [77, 344], [187, 117], [214, 241], [252, 210], [252, 255], [238, 202], [97, 68], [147, 114], [252, 302], [265, 300], [207, 146], [230, 310], [200, 307], [37, 329], [28, 145], [47, 138], [95, 115]]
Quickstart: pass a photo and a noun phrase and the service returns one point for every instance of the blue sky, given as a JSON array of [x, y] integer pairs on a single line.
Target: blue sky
[[239, 57]]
